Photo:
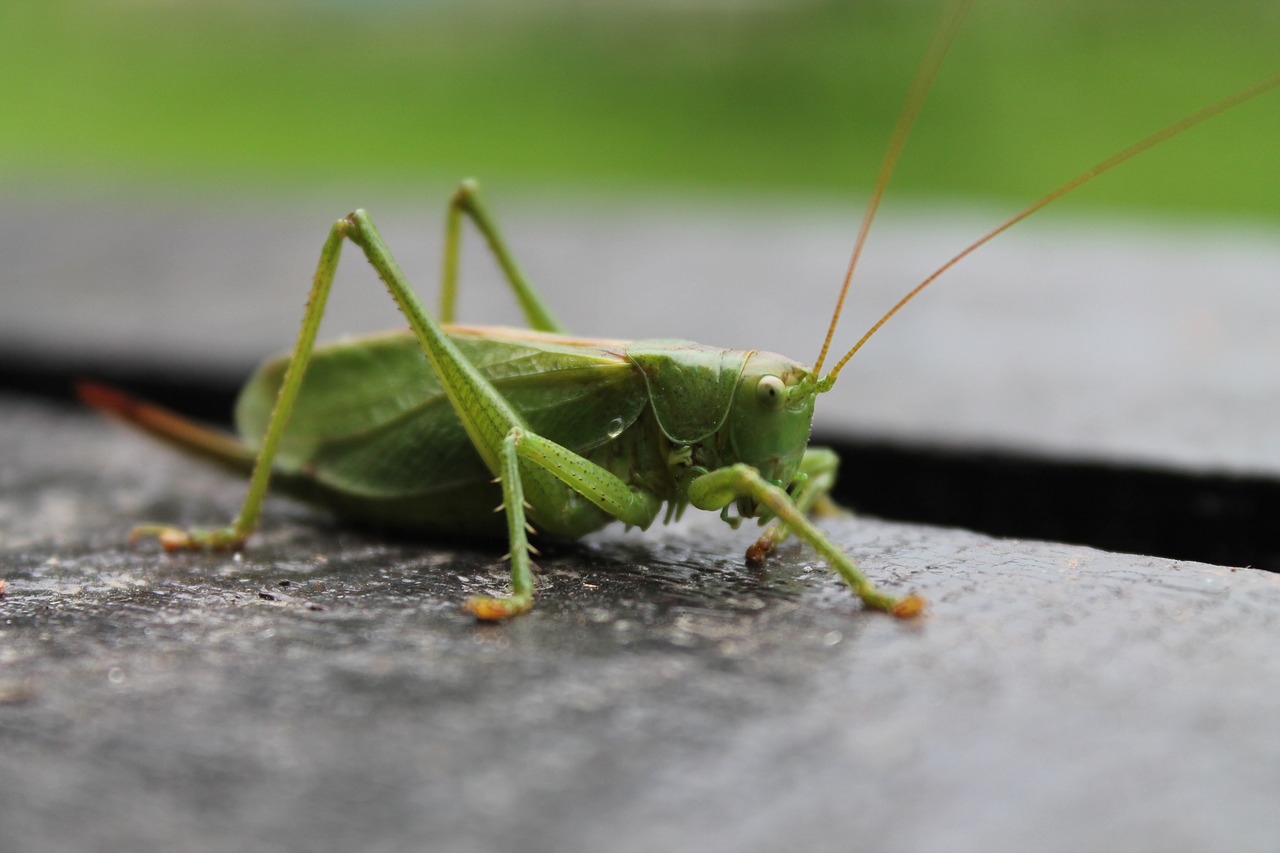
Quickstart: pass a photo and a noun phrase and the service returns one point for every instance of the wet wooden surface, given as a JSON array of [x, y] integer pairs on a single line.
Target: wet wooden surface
[[324, 692]]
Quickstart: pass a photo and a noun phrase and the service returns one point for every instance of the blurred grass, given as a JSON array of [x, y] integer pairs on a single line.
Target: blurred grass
[[761, 97]]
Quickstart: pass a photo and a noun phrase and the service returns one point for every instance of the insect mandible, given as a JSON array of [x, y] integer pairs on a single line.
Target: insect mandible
[[428, 429]]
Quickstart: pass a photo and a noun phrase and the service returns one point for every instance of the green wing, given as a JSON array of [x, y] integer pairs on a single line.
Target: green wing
[[372, 419]]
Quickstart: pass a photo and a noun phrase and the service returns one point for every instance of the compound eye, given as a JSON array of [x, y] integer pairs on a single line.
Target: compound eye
[[771, 393]]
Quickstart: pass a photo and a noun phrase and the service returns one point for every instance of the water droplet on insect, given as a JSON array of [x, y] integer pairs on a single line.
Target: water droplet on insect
[[615, 427]]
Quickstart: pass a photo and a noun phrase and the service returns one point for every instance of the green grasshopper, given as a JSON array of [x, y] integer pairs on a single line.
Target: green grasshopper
[[428, 429]]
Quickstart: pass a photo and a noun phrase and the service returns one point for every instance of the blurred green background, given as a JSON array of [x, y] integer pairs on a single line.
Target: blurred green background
[[753, 97]]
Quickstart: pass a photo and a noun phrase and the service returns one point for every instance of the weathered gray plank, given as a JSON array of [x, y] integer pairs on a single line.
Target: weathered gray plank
[[661, 695]]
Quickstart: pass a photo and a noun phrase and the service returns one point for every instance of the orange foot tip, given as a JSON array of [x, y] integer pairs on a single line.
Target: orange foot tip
[[177, 539], [170, 538], [909, 607], [759, 550], [494, 609]]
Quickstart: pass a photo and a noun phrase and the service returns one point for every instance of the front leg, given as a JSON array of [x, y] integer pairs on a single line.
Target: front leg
[[721, 487], [811, 495]]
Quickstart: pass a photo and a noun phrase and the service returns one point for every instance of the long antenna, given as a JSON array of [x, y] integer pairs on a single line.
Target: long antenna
[[910, 109], [1111, 162]]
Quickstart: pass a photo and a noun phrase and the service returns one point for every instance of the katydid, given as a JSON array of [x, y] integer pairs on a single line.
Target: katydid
[[428, 430]]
